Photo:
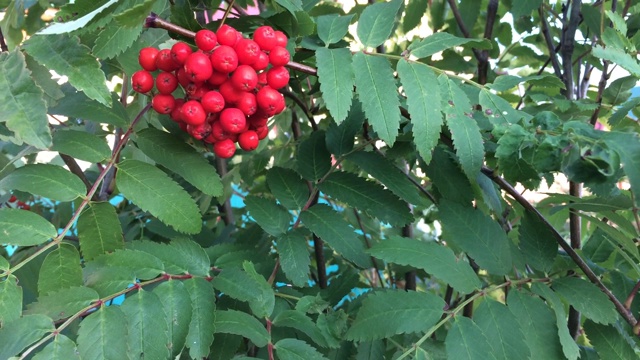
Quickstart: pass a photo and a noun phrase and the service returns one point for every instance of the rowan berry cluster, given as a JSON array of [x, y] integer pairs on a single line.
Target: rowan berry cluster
[[230, 85], [15, 203]]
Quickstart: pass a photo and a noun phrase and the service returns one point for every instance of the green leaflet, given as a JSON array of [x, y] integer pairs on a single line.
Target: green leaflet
[[627, 145], [147, 327], [586, 298], [81, 145], [294, 349], [336, 80], [340, 138], [19, 333], [179, 256], [377, 21], [78, 105], [135, 16], [536, 243], [10, 300], [240, 285], [143, 265], [287, 186], [619, 57], [332, 28], [524, 8], [60, 270], [46, 180], [272, 218], [99, 230], [441, 41], [240, 323], [177, 307], [498, 110], [69, 26], [569, 346], [504, 333], [609, 342], [23, 109], [466, 340], [103, 334], [298, 320], [202, 324], [63, 302], [294, 257], [114, 39], [61, 348], [313, 160], [152, 190], [24, 228]]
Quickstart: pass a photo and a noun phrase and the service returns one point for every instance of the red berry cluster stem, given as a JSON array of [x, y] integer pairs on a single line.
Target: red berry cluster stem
[[230, 85]]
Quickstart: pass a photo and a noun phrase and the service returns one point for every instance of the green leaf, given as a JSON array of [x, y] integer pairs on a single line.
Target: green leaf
[[287, 186], [154, 191], [103, 334], [465, 340], [66, 56], [272, 218], [43, 78], [336, 80], [465, 132], [393, 312], [425, 106], [340, 138], [478, 235], [10, 300], [524, 8], [586, 298], [114, 39], [242, 286], [299, 321], [135, 16], [61, 269], [377, 22], [498, 110], [599, 246], [99, 230], [618, 22], [78, 105], [622, 111], [24, 228], [173, 153], [413, 14], [23, 108], [46, 180], [240, 323], [507, 337], [202, 326], [332, 28], [367, 196], [537, 318], [109, 280], [609, 342], [331, 227], [291, 5], [441, 41], [435, 259], [81, 145], [294, 257], [16, 335], [144, 266], [61, 348], [313, 160], [569, 346], [294, 349], [377, 90], [448, 178], [147, 329], [536, 243], [64, 302], [65, 27], [177, 307], [179, 256], [627, 145], [618, 57]]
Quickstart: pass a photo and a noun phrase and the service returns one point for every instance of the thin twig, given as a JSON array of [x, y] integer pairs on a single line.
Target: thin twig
[[225, 208], [73, 166], [226, 13], [549, 41], [3, 43], [462, 26], [483, 63], [632, 295], [366, 241]]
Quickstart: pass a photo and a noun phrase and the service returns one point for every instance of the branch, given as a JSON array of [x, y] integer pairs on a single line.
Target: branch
[[567, 45], [366, 241], [549, 41], [604, 78], [224, 208], [483, 63], [3, 43], [462, 26]]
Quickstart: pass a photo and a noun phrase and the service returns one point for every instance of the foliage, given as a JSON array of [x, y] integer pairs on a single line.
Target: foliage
[[378, 220]]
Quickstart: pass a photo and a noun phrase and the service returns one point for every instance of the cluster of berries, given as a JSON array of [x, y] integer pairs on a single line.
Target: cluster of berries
[[230, 85], [13, 200]]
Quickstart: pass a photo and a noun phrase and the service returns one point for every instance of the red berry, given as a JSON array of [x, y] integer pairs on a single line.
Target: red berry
[[229, 92], [224, 148], [247, 103], [248, 140], [233, 120], [219, 133], [199, 132], [270, 100], [279, 56], [183, 78], [248, 51], [281, 39], [206, 40], [176, 114], [147, 58], [224, 59], [258, 119], [212, 102], [180, 51], [13, 198], [165, 62], [198, 67], [192, 113], [278, 77], [227, 35], [262, 62], [163, 103], [166, 82], [217, 78], [24, 206], [142, 81], [244, 78], [262, 132], [262, 80], [265, 36], [199, 92]]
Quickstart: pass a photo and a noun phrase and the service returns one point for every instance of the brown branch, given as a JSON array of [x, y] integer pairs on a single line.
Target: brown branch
[[632, 295], [483, 63], [462, 26], [73, 166], [225, 208], [366, 241], [567, 44], [3, 43], [549, 41]]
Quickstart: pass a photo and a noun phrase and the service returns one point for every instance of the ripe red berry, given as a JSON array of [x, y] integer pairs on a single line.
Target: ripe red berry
[[248, 140], [206, 40], [192, 113], [166, 82], [219, 133], [265, 36], [176, 114], [217, 78], [278, 77], [262, 62], [199, 92], [180, 51], [262, 132], [198, 67], [258, 119], [224, 148], [233, 120], [244, 78], [248, 51], [142, 81], [262, 80], [247, 103], [165, 62], [281, 39], [13, 198], [279, 56], [163, 103], [224, 59], [212, 102], [230, 94], [227, 35], [270, 100], [199, 132], [147, 58]]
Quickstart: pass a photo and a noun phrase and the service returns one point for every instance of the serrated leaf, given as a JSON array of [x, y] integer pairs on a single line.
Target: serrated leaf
[[331, 227], [144, 266], [65, 27], [623, 111], [177, 307], [152, 190], [465, 132], [618, 57], [435, 259], [524, 8], [377, 90], [241, 286], [332, 28], [377, 21], [43, 78], [384, 314], [173, 153], [23, 109], [507, 337], [66, 56], [313, 160], [103, 334], [287, 186], [299, 321], [146, 326], [179, 256], [294, 257], [81, 145], [10, 300], [478, 235], [569, 347], [272, 218], [448, 178], [336, 80], [240, 323], [294, 349], [99, 230], [78, 105], [24, 228], [465, 340], [627, 145], [114, 39], [425, 106], [4, 264], [61, 348], [441, 41], [498, 110], [367, 196], [586, 298], [61, 269], [202, 325], [340, 138], [536, 243], [609, 342], [135, 16], [413, 14], [46, 180], [109, 280], [19, 333], [292, 6], [64, 302]]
